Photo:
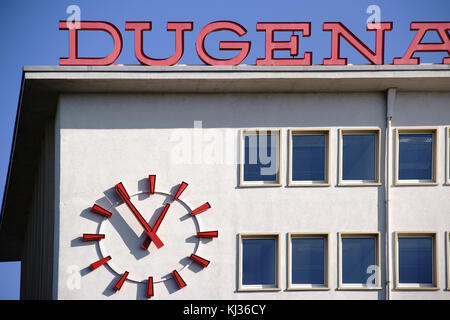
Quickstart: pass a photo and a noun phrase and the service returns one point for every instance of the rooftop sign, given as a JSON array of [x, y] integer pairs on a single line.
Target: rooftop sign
[[337, 29]]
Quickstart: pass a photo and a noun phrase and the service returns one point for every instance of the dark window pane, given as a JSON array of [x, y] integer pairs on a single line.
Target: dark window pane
[[258, 261], [415, 259], [357, 255], [358, 156], [308, 157], [415, 153], [308, 260], [261, 157]]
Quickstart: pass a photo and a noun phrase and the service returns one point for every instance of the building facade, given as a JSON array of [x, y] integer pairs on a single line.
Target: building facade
[[244, 182]]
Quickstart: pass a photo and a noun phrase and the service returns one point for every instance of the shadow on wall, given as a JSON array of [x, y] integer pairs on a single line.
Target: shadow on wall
[[229, 110]]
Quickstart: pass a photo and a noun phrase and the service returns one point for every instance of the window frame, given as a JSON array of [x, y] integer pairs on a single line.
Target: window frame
[[377, 160], [309, 287], [346, 286], [277, 286], [242, 182], [418, 286], [416, 130], [447, 159], [309, 183], [447, 244]]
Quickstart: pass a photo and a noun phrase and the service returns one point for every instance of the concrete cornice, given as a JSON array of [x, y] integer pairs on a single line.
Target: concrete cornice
[[242, 78]]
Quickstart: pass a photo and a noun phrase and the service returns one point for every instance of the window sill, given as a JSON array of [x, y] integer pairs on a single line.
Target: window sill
[[416, 288], [305, 288], [405, 183], [363, 288], [250, 288], [359, 184], [308, 184], [259, 184]]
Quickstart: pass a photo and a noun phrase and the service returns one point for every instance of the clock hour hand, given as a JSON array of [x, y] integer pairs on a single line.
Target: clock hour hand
[[156, 226], [126, 198]]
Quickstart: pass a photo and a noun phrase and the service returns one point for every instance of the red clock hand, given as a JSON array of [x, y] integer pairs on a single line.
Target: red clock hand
[[126, 198], [156, 226]]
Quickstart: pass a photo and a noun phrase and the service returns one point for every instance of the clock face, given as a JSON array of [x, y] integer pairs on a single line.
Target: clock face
[[149, 237]]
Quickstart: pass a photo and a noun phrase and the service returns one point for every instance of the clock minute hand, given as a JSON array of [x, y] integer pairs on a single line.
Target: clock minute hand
[[126, 198], [147, 241]]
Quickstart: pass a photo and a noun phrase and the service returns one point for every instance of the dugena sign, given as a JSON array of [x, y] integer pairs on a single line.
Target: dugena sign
[[339, 33]]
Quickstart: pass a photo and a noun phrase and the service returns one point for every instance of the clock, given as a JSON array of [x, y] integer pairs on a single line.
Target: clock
[[149, 237]]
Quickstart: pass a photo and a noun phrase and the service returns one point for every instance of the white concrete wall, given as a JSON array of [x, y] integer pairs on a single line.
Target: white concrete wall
[[107, 138]]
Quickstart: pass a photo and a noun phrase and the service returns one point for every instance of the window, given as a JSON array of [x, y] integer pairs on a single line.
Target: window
[[359, 157], [308, 157], [258, 262], [416, 266], [260, 158], [308, 261], [416, 156], [359, 261]]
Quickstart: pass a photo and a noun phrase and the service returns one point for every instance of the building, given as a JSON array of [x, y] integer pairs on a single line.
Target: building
[[322, 182]]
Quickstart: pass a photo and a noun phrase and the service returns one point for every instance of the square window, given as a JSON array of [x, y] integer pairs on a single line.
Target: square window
[[360, 157], [309, 157], [359, 261], [416, 260], [260, 162], [308, 261], [258, 262], [416, 156]]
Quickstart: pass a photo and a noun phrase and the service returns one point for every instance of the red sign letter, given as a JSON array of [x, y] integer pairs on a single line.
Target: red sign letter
[[441, 28], [139, 27], [73, 44], [339, 30], [292, 45], [243, 46]]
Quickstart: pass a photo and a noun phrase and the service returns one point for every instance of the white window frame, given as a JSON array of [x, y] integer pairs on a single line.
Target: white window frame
[[447, 243], [416, 130], [275, 287], [447, 159], [242, 182], [417, 286], [325, 286], [311, 183], [377, 160], [358, 286]]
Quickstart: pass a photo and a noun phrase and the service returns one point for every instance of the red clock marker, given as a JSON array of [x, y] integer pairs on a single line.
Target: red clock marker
[[120, 282], [200, 209], [152, 181], [92, 237], [99, 263], [201, 261], [101, 211], [150, 287], [180, 282], [126, 198], [208, 234], [180, 190], [156, 226]]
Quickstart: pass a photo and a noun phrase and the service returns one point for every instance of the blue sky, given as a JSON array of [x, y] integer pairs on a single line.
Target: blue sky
[[29, 35]]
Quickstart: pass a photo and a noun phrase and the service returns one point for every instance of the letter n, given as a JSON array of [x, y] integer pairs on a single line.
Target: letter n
[[338, 30]]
